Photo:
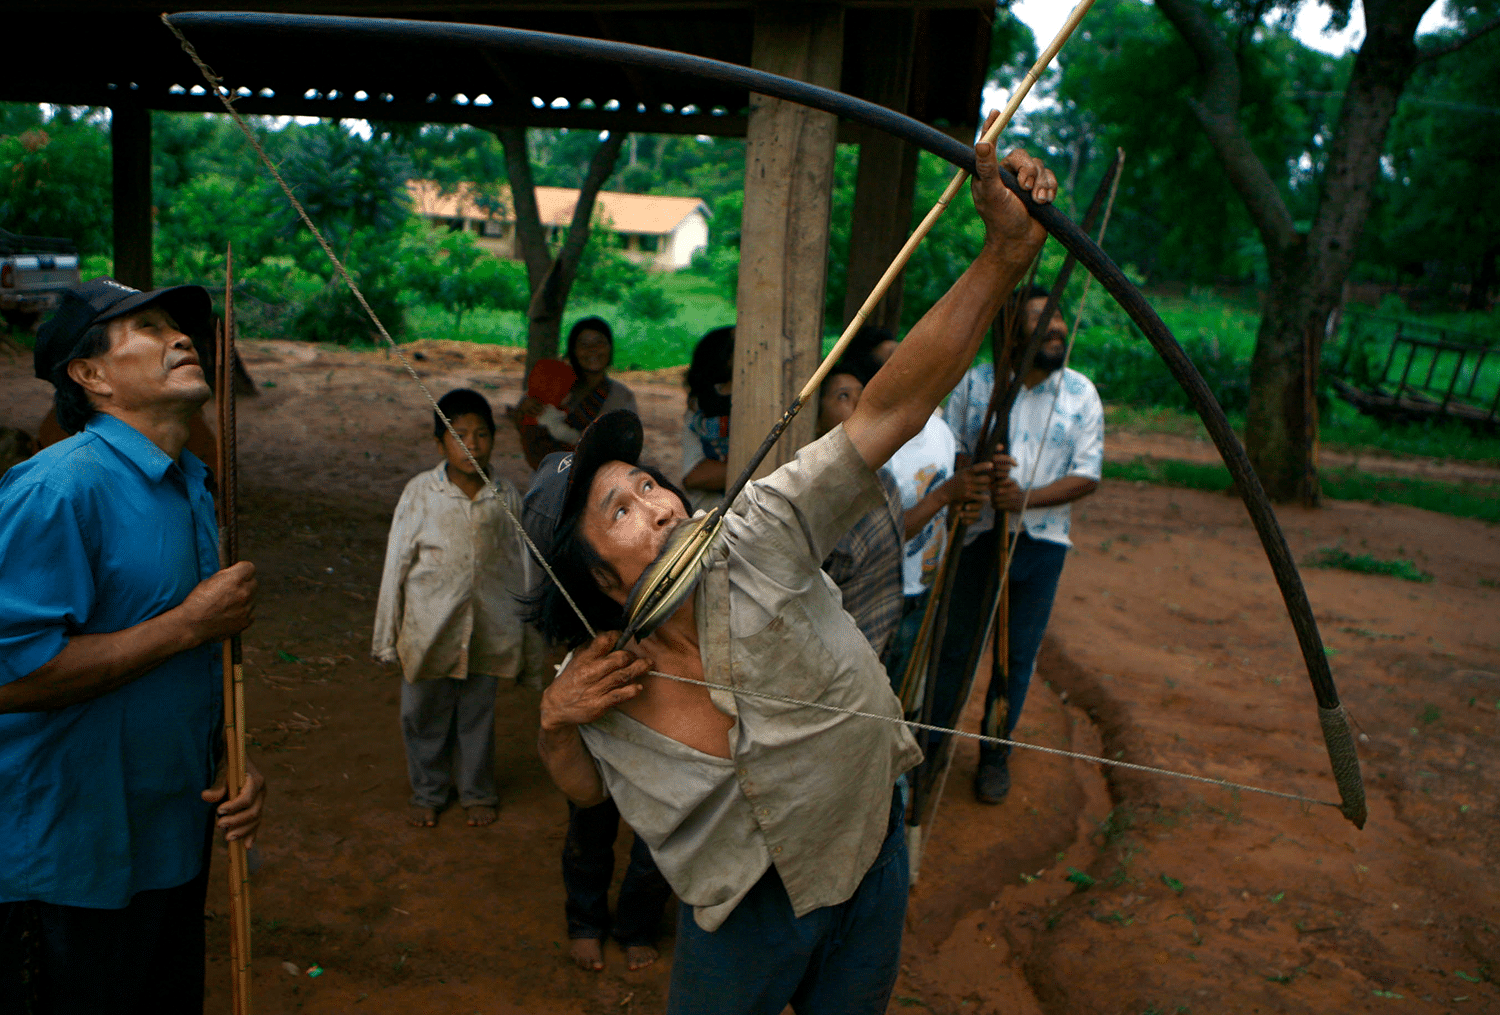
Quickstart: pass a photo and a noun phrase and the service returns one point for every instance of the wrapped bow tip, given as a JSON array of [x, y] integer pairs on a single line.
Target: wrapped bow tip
[[671, 578]]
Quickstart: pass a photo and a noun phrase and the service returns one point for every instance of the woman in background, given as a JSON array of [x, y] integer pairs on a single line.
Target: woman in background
[[705, 425], [562, 399]]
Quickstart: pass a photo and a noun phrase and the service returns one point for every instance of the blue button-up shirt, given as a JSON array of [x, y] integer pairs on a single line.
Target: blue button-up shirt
[[98, 801]]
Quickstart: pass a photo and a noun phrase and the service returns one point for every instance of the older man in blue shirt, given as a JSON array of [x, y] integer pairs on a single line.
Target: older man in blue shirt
[[111, 602]]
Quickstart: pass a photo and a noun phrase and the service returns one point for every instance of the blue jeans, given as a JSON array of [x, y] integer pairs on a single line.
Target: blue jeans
[[588, 867], [837, 960], [1034, 572]]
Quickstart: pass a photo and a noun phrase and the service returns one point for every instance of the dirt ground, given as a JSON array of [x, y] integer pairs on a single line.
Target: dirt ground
[[1085, 892]]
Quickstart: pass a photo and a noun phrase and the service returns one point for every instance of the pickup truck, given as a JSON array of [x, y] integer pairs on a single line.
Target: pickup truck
[[34, 272]]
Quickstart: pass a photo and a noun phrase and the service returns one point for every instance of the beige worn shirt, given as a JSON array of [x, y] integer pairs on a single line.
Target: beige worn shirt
[[804, 789], [454, 569]]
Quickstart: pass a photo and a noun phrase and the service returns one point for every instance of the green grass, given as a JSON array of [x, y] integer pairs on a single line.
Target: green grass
[[1342, 429], [1170, 472], [639, 345], [1209, 315], [1364, 563], [1462, 500]]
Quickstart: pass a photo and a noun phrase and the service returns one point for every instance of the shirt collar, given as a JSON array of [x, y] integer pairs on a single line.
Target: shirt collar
[[1048, 385], [132, 445], [444, 485]]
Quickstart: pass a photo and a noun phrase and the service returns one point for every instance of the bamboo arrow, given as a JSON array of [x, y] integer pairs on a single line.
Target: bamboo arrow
[[234, 670], [667, 583]]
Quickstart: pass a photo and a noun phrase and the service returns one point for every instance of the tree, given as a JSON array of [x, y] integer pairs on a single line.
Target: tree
[[1435, 201], [550, 276], [459, 274], [57, 175], [355, 190], [1125, 83], [1307, 266]]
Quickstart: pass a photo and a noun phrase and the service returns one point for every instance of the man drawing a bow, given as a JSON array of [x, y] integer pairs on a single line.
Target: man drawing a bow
[[776, 825]]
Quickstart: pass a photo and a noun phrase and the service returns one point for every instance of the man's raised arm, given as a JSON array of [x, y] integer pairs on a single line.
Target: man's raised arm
[[937, 351]]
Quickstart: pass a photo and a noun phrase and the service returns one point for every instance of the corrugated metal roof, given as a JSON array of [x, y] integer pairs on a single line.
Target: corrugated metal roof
[[123, 53], [650, 214]]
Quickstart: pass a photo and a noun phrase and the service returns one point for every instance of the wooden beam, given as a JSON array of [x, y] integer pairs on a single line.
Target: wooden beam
[[784, 233], [887, 171], [130, 150]]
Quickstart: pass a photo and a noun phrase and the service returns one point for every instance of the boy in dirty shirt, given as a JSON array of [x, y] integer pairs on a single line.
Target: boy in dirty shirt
[[448, 612]]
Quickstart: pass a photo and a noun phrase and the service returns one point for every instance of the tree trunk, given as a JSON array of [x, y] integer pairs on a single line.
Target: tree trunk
[[1307, 270], [551, 278]]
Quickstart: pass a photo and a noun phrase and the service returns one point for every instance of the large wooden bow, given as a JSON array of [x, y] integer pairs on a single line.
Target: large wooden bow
[[344, 31]]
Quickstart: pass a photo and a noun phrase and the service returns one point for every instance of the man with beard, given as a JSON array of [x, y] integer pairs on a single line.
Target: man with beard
[[1059, 460]]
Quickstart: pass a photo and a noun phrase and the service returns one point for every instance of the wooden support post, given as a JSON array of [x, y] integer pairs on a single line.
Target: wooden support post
[[130, 149], [887, 169], [784, 232]]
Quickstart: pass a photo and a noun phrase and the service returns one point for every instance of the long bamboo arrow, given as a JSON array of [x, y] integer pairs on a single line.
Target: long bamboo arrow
[[234, 670], [667, 583]]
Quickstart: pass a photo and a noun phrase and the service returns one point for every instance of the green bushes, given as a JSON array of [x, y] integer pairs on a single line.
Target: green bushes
[[1125, 368]]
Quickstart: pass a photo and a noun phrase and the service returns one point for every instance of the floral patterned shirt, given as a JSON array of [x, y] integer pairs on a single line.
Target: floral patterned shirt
[[1071, 443]]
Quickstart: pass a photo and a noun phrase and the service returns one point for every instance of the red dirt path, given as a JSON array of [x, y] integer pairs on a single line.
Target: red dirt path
[[1169, 647]]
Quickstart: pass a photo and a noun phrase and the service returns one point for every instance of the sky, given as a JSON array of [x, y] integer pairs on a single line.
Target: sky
[[1045, 17]]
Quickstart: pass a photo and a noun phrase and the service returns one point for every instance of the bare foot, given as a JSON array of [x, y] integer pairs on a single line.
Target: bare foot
[[587, 953], [481, 815], [422, 817], [640, 956]]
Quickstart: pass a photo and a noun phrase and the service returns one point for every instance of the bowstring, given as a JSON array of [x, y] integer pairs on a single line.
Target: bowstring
[[983, 738], [216, 84]]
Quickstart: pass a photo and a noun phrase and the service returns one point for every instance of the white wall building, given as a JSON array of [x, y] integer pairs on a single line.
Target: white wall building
[[661, 233]]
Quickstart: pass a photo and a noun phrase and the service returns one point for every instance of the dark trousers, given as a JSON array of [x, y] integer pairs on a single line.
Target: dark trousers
[[145, 959], [837, 960], [588, 865], [1034, 572], [449, 729]]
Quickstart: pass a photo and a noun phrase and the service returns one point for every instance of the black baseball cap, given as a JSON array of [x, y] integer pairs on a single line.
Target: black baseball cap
[[562, 480], [103, 299]]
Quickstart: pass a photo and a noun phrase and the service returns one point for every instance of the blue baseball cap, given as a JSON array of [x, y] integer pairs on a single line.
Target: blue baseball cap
[[104, 299], [562, 481]]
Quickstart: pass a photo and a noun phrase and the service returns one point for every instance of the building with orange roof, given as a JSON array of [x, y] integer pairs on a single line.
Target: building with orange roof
[[659, 232]]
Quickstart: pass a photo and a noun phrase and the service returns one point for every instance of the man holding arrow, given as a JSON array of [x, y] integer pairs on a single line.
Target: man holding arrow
[[111, 603], [776, 825], [1056, 455]]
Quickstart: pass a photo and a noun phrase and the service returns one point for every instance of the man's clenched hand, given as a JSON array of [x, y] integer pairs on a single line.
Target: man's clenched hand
[[1006, 222], [222, 605], [595, 680]]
